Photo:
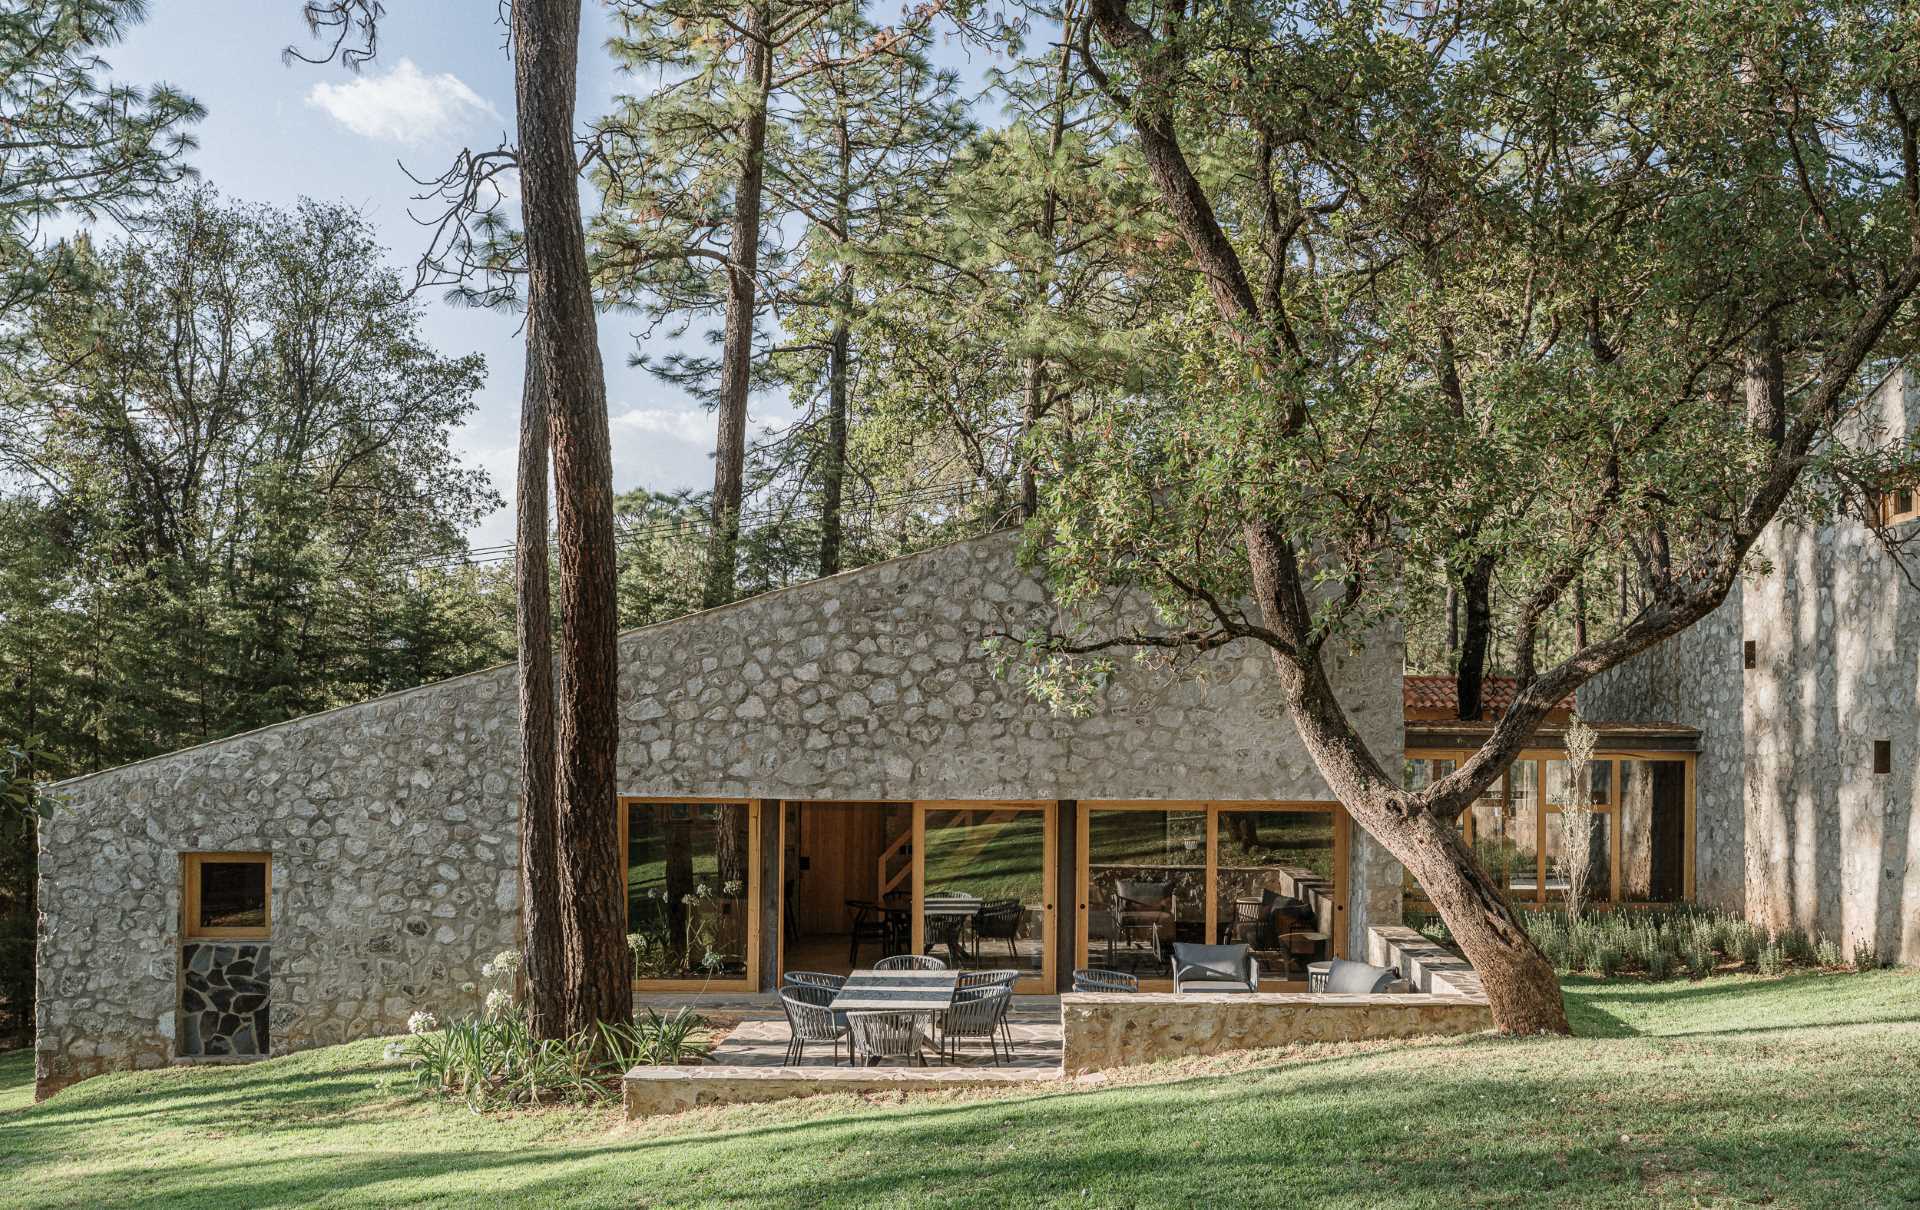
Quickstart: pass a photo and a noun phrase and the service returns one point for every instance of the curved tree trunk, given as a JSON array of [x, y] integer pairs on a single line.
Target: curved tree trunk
[[564, 338], [1471, 672], [1522, 989]]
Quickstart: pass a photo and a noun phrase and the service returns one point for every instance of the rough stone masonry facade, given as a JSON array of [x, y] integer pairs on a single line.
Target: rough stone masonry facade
[[1796, 828], [393, 823]]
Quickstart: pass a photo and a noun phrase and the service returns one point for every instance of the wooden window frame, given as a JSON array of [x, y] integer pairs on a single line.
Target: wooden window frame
[[1544, 810], [751, 980], [1083, 868], [190, 928], [1886, 504]]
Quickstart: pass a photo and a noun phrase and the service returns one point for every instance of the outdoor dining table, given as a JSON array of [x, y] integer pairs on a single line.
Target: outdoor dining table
[[897, 991]]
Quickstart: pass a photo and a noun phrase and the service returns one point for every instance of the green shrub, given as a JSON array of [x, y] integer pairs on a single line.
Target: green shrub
[[1866, 955], [1772, 959], [1700, 960], [1660, 964], [1827, 953], [1797, 946]]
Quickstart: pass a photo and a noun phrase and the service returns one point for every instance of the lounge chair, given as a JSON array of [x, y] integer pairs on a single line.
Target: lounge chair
[[1214, 968], [1360, 979]]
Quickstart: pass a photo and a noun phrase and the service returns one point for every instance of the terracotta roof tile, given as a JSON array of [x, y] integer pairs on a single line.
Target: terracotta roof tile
[[1436, 693]]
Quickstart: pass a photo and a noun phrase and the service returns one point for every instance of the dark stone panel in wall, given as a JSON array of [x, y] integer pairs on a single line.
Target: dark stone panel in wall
[[225, 996]]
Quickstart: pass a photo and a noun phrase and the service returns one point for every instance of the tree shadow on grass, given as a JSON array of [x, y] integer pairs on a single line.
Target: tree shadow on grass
[[1314, 1134]]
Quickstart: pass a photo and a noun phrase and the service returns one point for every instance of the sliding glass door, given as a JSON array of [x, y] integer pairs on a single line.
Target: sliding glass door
[[1271, 876], [983, 887]]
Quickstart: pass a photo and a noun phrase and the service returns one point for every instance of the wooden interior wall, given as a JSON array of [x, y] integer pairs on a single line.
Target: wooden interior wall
[[841, 842]]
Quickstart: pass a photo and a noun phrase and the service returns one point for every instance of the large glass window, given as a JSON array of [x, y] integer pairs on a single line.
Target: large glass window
[[1146, 885], [1274, 887], [1518, 851], [689, 870], [985, 904]]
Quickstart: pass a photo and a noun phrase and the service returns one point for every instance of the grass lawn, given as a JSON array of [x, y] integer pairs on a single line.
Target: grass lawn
[[1732, 1091], [16, 1079]]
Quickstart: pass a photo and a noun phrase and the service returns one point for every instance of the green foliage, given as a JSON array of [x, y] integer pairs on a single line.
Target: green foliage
[[76, 142], [237, 440], [1661, 943], [495, 1061]]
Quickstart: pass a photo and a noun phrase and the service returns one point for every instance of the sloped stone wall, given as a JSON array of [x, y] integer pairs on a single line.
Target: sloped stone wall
[[393, 823]]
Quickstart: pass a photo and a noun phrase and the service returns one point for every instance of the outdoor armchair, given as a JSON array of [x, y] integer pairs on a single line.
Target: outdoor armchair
[[976, 1013], [1214, 968], [1358, 978], [881, 1036], [910, 962], [1000, 920], [810, 1020], [1094, 979]]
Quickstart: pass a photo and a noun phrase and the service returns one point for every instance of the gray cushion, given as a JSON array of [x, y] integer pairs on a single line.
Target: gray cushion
[[1208, 962], [1359, 978]]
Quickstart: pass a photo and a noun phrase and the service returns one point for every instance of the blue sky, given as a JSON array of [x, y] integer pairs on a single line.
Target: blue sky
[[275, 132]]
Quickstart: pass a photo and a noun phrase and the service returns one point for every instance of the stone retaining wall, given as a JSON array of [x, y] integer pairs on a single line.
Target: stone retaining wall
[[1119, 1029]]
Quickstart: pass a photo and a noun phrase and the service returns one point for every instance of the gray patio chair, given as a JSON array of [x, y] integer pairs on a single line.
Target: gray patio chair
[[979, 1012], [910, 962], [809, 1020], [1001, 978], [881, 1036], [814, 979], [1094, 979], [1214, 968], [1000, 920], [1358, 978]]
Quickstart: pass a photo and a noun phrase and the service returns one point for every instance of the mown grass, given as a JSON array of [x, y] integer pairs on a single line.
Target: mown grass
[[16, 1079], [1730, 1091]]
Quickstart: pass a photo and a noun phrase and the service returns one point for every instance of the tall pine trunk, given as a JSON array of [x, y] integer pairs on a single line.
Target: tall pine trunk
[[563, 337], [833, 466], [736, 355], [544, 962]]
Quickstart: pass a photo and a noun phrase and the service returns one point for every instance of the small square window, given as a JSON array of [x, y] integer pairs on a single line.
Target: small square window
[[1749, 653], [1900, 503], [227, 894], [1883, 756]]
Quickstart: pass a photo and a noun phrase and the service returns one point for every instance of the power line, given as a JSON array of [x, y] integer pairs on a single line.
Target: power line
[[633, 533]]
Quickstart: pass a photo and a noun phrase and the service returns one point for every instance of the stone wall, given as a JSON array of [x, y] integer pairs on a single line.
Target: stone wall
[[393, 823], [1121, 1029], [1694, 678], [1795, 827], [1836, 625]]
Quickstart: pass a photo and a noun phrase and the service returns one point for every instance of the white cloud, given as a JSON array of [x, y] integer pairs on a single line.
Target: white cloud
[[693, 425], [404, 106]]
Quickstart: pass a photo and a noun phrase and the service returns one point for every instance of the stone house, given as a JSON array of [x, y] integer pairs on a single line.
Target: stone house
[[1802, 687], [808, 779]]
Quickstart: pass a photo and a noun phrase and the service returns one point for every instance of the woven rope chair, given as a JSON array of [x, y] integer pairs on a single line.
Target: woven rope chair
[[878, 1037], [999, 978], [978, 1013], [814, 979], [1094, 979], [910, 962], [809, 1020]]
